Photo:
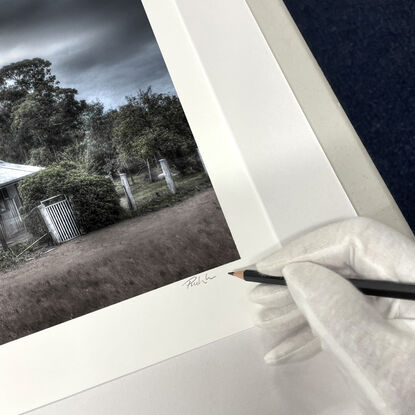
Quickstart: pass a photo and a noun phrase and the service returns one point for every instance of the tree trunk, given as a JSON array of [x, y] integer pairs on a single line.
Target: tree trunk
[[150, 176]]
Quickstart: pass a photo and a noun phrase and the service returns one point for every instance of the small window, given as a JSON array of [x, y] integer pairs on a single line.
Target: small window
[[5, 194]]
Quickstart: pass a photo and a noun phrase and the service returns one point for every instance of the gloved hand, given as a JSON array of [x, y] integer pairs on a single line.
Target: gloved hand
[[369, 337]]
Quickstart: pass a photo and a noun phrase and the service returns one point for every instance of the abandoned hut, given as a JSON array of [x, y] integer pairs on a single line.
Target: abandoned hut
[[11, 223]]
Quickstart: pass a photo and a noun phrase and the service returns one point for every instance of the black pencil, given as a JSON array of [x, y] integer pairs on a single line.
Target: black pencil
[[376, 288]]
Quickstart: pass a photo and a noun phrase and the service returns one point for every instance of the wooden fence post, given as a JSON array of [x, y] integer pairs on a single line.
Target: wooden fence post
[[127, 189], [167, 175]]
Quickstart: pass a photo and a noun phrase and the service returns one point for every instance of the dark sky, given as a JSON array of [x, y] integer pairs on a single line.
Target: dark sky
[[104, 48]]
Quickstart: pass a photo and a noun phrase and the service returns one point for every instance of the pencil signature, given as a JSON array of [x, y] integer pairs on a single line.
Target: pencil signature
[[198, 280]]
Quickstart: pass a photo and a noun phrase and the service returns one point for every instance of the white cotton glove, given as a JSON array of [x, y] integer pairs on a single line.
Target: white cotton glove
[[369, 337]]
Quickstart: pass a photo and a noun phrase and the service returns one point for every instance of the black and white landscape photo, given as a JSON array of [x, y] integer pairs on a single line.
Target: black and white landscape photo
[[104, 194]]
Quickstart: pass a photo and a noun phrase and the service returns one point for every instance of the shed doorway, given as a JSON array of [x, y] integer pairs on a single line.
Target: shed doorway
[[9, 213]]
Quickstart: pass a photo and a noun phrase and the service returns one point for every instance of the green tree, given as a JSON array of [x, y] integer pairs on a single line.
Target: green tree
[[37, 116], [25, 77], [154, 125], [100, 151]]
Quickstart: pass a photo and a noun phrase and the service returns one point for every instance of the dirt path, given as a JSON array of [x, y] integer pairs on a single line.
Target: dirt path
[[113, 264]]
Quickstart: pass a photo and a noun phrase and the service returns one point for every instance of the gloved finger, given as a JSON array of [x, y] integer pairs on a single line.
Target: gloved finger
[[387, 307], [357, 246], [406, 310], [377, 357], [273, 295], [300, 346], [282, 319]]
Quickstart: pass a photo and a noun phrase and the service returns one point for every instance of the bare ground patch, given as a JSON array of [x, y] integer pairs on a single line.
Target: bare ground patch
[[113, 264]]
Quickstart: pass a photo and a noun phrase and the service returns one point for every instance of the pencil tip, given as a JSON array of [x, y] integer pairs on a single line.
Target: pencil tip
[[239, 274]]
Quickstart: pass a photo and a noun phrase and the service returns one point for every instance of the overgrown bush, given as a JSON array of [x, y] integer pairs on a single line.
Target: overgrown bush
[[7, 260], [187, 165], [94, 198]]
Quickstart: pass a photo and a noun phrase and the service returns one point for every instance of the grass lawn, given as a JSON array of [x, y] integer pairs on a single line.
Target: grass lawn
[[150, 197]]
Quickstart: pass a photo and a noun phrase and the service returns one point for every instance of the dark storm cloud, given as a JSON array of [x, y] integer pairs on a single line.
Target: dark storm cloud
[[104, 48]]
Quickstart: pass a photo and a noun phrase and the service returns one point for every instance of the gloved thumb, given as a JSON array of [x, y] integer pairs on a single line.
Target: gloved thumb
[[377, 358]]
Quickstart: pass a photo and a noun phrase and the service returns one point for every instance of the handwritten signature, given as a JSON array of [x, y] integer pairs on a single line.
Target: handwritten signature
[[198, 280]]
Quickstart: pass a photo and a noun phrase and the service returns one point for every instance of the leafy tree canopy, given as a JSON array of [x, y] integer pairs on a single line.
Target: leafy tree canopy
[[36, 114], [153, 125], [21, 78], [43, 123]]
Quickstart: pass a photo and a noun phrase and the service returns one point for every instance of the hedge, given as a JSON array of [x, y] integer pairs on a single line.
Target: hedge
[[94, 198]]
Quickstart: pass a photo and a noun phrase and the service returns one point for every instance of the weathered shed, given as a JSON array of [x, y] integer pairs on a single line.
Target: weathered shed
[[10, 202]]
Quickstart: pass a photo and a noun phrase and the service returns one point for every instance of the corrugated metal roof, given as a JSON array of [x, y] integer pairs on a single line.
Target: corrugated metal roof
[[10, 173]]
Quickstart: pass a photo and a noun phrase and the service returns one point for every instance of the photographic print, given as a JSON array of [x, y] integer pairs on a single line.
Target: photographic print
[[104, 194]]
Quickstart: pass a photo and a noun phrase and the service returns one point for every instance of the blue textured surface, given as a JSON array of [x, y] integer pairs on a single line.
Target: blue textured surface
[[366, 50]]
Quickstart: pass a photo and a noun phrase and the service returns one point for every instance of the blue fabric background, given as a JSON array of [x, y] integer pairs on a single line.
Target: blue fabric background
[[366, 49]]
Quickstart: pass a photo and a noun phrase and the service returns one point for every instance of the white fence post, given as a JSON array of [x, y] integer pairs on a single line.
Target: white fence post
[[201, 160], [127, 189], [167, 175], [49, 224]]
